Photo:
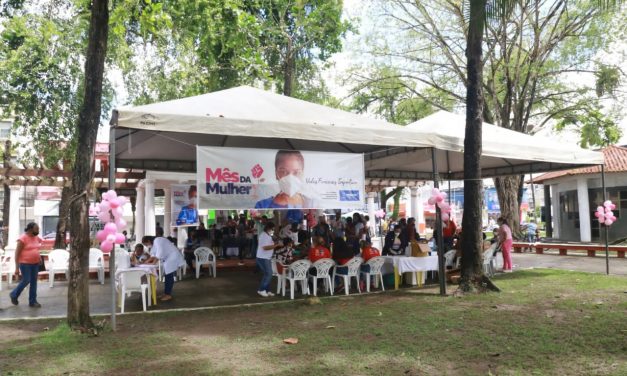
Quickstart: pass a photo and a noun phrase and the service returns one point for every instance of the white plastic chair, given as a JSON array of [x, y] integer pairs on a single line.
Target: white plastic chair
[[323, 271], [58, 262], [131, 281], [279, 276], [122, 259], [7, 266], [352, 271], [204, 256], [96, 261], [375, 263], [449, 258], [297, 271]]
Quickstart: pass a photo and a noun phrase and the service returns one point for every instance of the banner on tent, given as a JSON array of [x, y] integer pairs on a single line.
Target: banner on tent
[[184, 205], [234, 178]]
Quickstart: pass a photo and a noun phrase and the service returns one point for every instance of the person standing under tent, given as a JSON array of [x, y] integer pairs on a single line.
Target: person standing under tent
[[171, 259], [265, 250]]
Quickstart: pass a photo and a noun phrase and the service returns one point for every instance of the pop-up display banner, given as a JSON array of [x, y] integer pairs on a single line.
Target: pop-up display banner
[[235, 178], [184, 205]]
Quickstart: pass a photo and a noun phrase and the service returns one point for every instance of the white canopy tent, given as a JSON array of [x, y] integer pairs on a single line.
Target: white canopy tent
[[163, 136], [505, 152]]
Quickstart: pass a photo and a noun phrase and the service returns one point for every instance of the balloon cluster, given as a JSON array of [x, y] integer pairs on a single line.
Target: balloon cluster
[[437, 198], [379, 213], [110, 212], [604, 213]]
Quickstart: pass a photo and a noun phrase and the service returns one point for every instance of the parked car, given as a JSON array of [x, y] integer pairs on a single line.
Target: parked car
[[48, 240]]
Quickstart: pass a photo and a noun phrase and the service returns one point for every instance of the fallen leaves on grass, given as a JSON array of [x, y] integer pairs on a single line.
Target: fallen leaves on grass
[[291, 341]]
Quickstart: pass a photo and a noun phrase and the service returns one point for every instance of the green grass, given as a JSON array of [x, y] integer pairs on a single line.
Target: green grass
[[542, 323]]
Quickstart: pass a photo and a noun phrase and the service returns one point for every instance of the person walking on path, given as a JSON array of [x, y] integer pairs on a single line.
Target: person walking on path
[[506, 241], [27, 259]]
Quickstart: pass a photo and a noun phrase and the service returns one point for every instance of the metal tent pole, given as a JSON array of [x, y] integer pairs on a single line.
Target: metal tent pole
[[438, 228], [606, 228], [112, 253]]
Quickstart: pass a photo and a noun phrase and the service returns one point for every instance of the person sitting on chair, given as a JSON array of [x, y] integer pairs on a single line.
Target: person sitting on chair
[[395, 243], [139, 255]]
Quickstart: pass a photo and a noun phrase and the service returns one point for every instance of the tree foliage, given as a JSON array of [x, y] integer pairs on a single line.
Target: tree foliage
[[246, 42]]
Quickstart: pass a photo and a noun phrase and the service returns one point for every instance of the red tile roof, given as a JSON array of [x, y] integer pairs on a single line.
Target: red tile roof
[[615, 161]]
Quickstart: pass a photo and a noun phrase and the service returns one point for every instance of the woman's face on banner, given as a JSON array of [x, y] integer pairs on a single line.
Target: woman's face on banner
[[192, 198], [290, 165]]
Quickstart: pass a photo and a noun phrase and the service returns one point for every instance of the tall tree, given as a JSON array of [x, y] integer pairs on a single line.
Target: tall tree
[[531, 54], [43, 55], [87, 127]]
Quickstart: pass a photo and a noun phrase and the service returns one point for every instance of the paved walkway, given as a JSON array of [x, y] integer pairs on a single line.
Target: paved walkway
[[577, 263], [237, 285]]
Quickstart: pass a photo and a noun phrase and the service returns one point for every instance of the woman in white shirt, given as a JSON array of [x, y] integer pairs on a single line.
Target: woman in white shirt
[[265, 250], [171, 259]]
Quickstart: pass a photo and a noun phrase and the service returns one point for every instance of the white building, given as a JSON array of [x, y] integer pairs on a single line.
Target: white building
[[575, 194]]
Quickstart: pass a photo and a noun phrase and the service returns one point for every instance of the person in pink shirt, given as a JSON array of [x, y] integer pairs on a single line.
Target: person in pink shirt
[[27, 260], [506, 241]]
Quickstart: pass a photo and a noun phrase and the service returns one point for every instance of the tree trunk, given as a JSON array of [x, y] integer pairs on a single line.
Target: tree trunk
[[64, 209], [88, 121], [288, 71], [397, 203], [472, 269], [6, 163], [507, 189]]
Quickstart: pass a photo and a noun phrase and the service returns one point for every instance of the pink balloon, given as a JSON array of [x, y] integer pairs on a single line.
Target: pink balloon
[[119, 238], [104, 205], [105, 196], [110, 228], [114, 203], [608, 222], [445, 207], [104, 217], [120, 223], [118, 212], [613, 218], [602, 218], [122, 200], [443, 194], [435, 192], [609, 213], [112, 194], [597, 214], [613, 206], [439, 198], [600, 209], [431, 201], [106, 246], [445, 217], [101, 236], [110, 238]]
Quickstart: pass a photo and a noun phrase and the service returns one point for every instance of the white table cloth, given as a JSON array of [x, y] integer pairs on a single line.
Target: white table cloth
[[406, 264]]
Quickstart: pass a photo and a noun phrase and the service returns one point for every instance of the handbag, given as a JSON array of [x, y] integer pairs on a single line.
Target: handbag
[[42, 264]]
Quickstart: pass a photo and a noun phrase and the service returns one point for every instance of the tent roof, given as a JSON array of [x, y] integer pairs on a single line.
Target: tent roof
[[505, 152], [241, 117], [163, 136]]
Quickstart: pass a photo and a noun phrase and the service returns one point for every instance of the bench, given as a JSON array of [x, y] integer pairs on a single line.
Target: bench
[[591, 249]]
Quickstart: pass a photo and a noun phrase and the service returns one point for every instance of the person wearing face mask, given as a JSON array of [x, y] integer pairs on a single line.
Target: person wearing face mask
[[289, 168], [27, 260], [189, 214], [394, 243], [265, 250]]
